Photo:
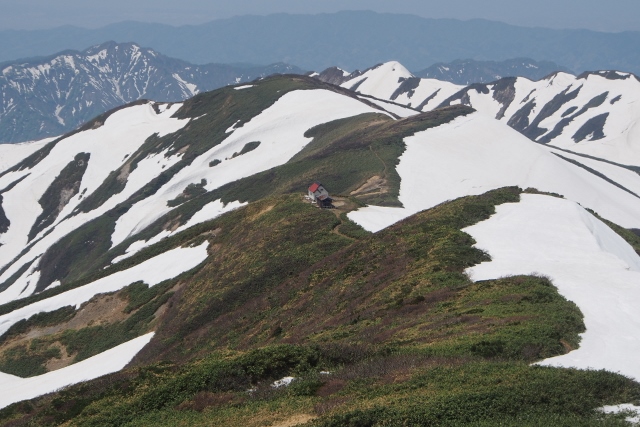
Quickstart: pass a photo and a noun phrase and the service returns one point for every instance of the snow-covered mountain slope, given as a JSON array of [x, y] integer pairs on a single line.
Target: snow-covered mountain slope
[[595, 114], [393, 82], [51, 96], [588, 263], [477, 153], [12, 154], [103, 150], [468, 71], [54, 193], [89, 196]]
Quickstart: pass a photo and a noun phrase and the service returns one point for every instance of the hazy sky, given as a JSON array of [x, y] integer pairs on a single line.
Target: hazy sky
[[601, 15]]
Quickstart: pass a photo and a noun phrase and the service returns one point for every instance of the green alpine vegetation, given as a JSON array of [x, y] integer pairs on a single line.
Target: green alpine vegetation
[[377, 329]]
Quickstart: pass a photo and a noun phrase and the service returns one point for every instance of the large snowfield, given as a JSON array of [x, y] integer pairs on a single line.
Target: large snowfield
[[475, 154], [589, 264], [587, 97]]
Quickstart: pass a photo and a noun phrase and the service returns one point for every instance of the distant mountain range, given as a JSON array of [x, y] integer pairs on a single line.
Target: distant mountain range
[[44, 97], [464, 71], [467, 71], [350, 40], [50, 96]]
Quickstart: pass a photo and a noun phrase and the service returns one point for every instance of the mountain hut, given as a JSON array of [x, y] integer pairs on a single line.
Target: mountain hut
[[319, 195]]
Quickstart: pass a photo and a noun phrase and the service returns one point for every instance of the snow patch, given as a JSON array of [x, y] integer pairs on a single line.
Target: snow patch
[[53, 285], [57, 114], [283, 382], [587, 261], [232, 127], [632, 410], [208, 212], [14, 389], [152, 271], [191, 89], [382, 81]]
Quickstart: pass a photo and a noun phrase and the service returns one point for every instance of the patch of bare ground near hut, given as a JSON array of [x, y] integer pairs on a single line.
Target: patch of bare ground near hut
[[295, 420], [374, 185], [261, 212]]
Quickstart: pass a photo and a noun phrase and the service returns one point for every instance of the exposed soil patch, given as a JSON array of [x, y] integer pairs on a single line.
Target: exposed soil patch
[[374, 185], [174, 224], [125, 170], [567, 347], [183, 150], [295, 420], [101, 310], [65, 360], [105, 309]]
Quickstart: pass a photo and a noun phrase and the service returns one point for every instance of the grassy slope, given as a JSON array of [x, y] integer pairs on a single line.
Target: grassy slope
[[400, 287], [344, 145], [407, 337]]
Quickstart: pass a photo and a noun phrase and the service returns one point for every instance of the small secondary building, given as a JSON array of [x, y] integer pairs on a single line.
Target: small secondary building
[[319, 195]]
